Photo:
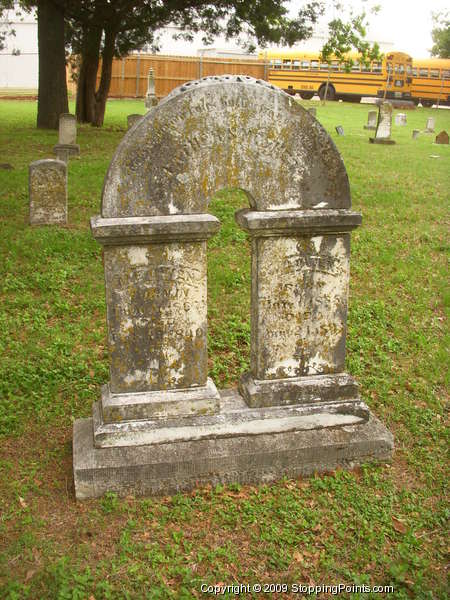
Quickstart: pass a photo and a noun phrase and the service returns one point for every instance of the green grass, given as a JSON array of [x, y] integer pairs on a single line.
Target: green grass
[[379, 525]]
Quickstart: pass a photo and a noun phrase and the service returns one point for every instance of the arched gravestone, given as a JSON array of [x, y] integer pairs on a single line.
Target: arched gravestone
[[297, 406]]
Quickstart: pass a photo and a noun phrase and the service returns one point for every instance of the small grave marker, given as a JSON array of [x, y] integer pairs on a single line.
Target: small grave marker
[[47, 183], [384, 125], [371, 120], [339, 130], [415, 134], [150, 99], [430, 125], [400, 119], [133, 119], [442, 138]]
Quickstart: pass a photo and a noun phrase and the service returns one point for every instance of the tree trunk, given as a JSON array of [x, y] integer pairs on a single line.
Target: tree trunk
[[101, 95], [87, 79], [52, 95]]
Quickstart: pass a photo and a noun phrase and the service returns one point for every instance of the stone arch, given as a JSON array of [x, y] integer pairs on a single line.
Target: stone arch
[[222, 132]]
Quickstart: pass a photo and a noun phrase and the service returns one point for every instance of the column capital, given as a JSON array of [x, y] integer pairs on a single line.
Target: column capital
[[297, 222], [120, 231]]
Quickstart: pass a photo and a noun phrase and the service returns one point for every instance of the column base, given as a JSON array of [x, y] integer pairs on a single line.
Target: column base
[[160, 404], [65, 151], [240, 445], [299, 390]]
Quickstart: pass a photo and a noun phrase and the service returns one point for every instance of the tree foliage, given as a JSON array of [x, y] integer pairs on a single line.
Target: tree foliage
[[441, 35]]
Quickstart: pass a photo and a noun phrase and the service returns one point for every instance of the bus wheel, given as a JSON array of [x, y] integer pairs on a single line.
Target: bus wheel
[[427, 103], [331, 93], [306, 95]]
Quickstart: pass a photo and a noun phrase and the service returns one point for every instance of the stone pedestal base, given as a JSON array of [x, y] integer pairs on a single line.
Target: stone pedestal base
[[381, 141], [65, 151], [299, 390], [238, 445]]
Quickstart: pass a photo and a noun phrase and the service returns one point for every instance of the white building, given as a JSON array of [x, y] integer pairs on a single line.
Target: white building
[[19, 59]]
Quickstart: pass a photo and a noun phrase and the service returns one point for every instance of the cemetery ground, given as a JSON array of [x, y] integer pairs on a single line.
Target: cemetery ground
[[379, 525]]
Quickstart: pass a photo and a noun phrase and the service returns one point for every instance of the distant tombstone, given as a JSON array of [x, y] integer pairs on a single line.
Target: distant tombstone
[[415, 134], [371, 120], [47, 184], [400, 119], [133, 119], [67, 138], [384, 124], [161, 424], [150, 99], [442, 138], [430, 125], [339, 130], [316, 98], [312, 111]]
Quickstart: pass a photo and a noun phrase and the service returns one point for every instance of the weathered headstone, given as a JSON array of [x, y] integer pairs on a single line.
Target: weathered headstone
[[161, 425], [371, 120], [442, 138], [133, 119], [339, 130], [313, 111], [316, 98], [430, 125], [47, 184], [400, 119], [415, 134], [384, 125], [150, 99], [67, 139]]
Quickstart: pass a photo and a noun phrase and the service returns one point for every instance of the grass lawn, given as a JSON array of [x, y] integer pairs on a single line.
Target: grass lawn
[[378, 525]]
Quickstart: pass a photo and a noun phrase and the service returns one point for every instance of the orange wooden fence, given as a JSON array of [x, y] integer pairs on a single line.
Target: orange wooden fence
[[129, 75]]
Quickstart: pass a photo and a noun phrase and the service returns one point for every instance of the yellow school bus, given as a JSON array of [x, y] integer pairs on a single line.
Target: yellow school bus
[[431, 80], [303, 73]]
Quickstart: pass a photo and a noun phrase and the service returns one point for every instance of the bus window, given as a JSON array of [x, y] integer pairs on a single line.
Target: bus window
[[277, 63], [399, 83], [296, 65], [400, 69], [434, 73], [314, 64], [446, 74], [355, 66], [423, 72], [365, 68], [305, 64], [324, 66], [376, 67], [335, 65], [408, 69], [414, 71], [286, 64]]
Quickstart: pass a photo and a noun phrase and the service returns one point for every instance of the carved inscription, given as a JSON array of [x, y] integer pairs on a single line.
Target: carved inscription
[[302, 289], [156, 299]]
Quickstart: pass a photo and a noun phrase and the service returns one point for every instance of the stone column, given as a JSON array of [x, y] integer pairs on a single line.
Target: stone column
[[47, 184], [156, 298], [67, 139], [300, 276], [371, 120]]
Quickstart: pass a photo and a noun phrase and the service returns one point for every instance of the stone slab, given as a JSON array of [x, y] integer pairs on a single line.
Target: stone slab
[[65, 151], [234, 418], [246, 457]]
